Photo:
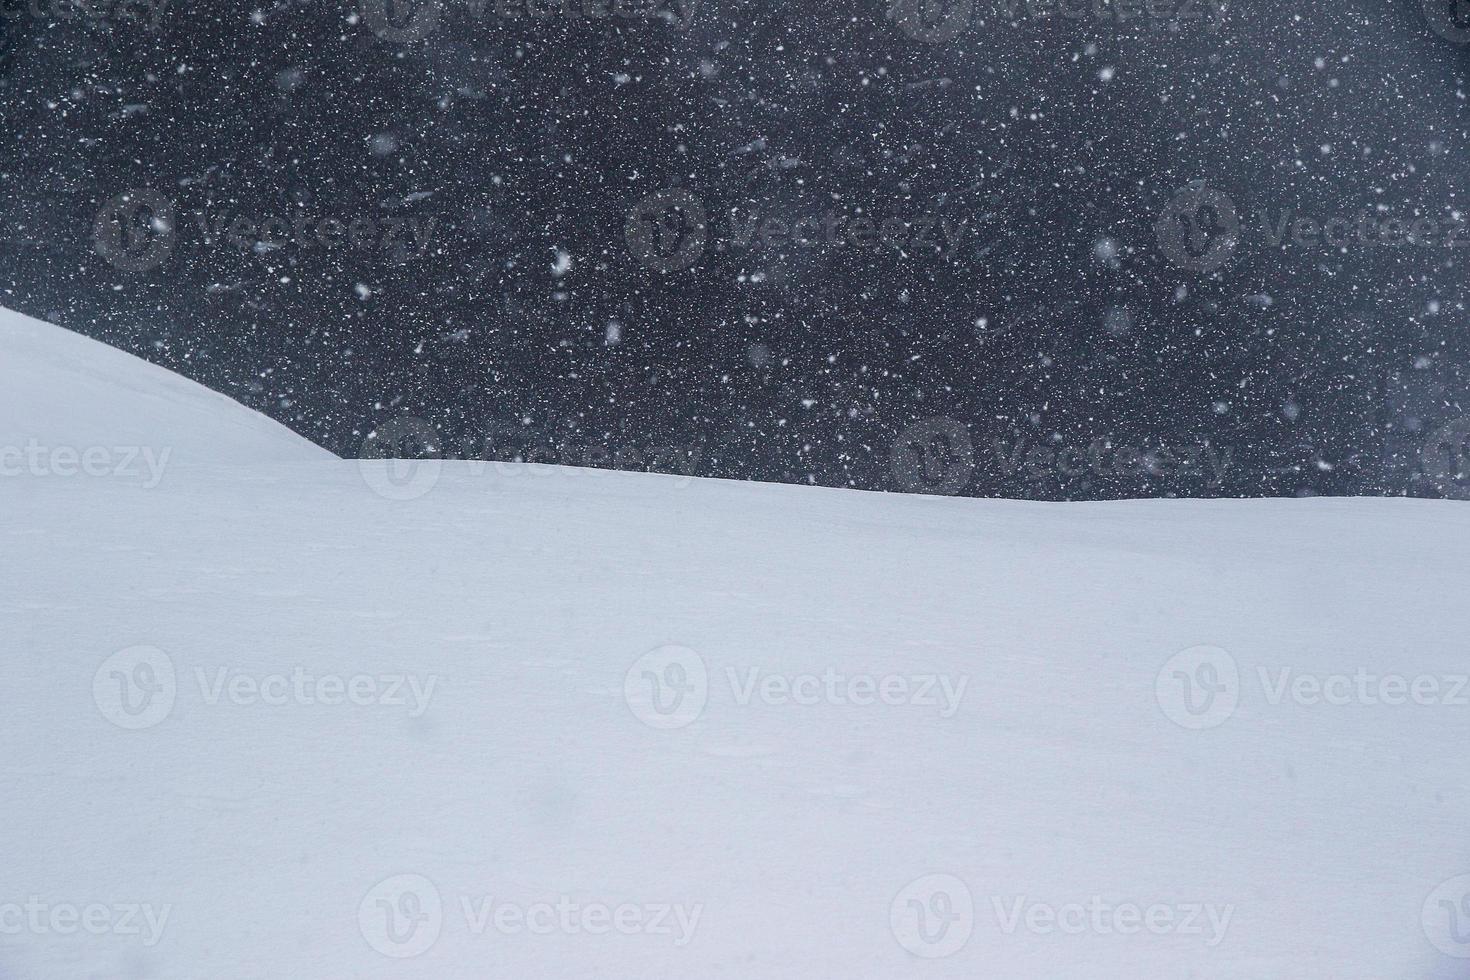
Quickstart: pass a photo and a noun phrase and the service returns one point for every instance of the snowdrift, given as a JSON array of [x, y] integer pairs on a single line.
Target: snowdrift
[[288, 716], [61, 391]]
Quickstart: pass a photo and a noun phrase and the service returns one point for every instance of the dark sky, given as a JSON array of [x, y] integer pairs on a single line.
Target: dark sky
[[995, 248]]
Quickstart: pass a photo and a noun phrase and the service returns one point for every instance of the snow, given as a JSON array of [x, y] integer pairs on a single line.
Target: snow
[[59, 390], [591, 724]]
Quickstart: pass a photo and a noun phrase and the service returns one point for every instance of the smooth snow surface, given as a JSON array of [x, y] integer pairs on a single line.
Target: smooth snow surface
[[59, 389], [591, 725]]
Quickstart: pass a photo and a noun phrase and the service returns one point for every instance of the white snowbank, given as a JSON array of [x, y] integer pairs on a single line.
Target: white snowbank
[[62, 391], [591, 725]]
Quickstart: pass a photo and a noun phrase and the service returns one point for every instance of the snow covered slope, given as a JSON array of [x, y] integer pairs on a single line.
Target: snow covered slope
[[59, 390], [263, 720]]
